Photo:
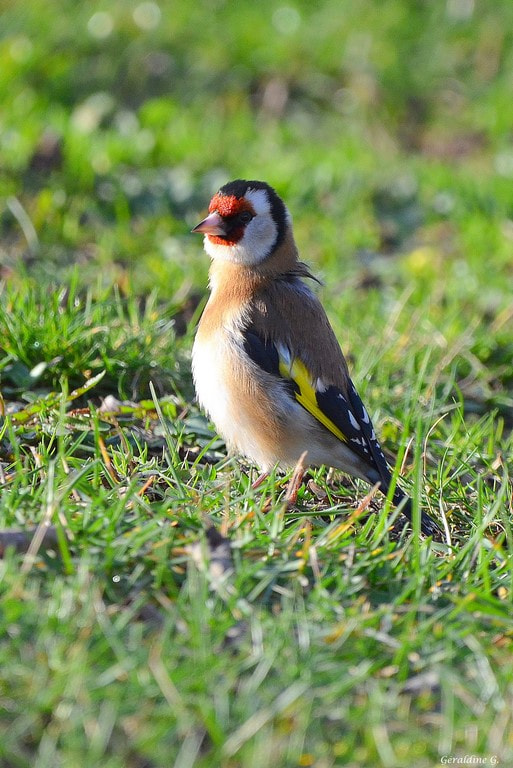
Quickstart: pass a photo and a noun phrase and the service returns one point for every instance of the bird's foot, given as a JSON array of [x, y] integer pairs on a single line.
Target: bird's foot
[[295, 482]]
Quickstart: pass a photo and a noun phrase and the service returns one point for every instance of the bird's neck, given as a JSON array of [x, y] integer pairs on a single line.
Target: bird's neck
[[244, 280], [235, 287]]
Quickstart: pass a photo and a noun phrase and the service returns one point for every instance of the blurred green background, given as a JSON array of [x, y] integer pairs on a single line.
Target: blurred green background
[[381, 124]]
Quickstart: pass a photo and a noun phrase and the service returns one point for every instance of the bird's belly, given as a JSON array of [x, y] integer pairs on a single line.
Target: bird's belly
[[210, 370], [256, 415]]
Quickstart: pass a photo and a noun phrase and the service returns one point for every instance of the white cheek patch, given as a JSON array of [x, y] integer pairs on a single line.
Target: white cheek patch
[[259, 237], [258, 241]]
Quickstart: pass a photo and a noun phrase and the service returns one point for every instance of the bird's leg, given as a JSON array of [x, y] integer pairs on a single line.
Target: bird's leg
[[260, 479], [295, 481]]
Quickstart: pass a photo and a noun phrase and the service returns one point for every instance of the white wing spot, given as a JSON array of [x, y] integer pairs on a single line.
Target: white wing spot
[[284, 354], [353, 421], [365, 415]]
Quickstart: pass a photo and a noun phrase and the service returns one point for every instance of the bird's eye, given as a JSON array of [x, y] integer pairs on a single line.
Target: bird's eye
[[245, 217]]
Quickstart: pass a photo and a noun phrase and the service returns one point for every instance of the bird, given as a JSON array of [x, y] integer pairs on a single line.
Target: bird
[[266, 364]]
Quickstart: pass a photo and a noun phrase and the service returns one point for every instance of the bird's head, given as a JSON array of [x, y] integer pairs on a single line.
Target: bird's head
[[247, 222]]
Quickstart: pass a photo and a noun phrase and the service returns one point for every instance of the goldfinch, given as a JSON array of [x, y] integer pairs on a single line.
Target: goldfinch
[[266, 364]]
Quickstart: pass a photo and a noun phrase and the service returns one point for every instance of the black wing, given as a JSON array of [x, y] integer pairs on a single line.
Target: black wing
[[343, 414]]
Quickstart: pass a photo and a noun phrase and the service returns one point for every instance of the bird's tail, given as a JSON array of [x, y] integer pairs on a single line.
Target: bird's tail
[[427, 524]]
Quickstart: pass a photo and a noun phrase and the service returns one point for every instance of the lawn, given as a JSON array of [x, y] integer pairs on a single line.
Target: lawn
[[156, 610]]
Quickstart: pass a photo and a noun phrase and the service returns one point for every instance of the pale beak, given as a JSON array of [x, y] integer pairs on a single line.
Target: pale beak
[[214, 224]]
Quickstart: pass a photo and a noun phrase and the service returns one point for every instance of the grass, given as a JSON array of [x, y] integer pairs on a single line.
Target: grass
[[157, 611]]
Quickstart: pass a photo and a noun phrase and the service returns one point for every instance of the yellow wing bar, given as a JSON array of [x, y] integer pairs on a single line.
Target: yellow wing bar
[[297, 372]]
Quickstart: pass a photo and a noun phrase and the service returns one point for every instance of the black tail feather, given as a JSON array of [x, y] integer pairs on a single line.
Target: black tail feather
[[427, 524]]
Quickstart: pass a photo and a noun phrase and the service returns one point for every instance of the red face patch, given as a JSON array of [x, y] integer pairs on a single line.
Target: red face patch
[[229, 207]]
